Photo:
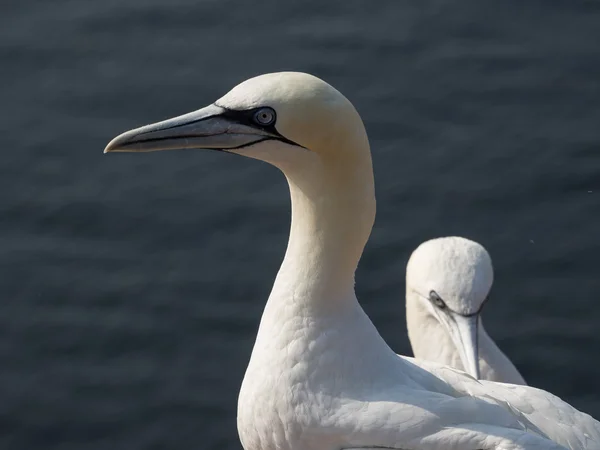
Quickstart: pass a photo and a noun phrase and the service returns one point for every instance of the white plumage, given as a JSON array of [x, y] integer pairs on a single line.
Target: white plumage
[[320, 376], [448, 281]]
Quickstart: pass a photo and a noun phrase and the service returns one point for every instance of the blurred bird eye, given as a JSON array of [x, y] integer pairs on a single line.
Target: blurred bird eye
[[437, 300], [264, 116]]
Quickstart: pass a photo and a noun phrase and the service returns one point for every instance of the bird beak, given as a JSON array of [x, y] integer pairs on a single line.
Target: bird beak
[[212, 127], [464, 334]]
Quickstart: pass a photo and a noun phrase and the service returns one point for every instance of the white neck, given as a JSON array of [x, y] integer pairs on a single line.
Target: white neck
[[428, 338], [333, 210]]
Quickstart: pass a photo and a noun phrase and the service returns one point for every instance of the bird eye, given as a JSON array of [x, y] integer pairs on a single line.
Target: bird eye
[[437, 300], [264, 116]]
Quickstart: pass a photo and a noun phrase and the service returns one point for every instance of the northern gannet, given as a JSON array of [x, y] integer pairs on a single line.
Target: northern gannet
[[448, 281], [320, 376]]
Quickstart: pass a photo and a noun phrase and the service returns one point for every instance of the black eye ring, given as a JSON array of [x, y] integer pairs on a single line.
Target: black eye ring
[[437, 300], [264, 117]]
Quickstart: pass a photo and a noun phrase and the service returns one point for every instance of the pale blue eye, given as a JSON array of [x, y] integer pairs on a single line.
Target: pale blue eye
[[437, 300], [264, 116]]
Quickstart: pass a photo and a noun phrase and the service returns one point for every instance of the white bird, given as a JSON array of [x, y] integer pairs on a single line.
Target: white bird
[[320, 376], [448, 280]]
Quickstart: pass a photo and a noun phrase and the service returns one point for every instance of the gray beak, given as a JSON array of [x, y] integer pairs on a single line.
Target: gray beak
[[464, 333], [212, 127]]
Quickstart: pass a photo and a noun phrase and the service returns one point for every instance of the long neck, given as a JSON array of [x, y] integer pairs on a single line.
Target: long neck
[[313, 299], [333, 210]]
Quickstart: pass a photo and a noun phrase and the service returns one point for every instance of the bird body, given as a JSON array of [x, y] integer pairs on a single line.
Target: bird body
[[320, 376]]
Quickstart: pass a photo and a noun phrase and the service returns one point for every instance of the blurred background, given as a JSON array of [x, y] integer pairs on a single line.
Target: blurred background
[[132, 284]]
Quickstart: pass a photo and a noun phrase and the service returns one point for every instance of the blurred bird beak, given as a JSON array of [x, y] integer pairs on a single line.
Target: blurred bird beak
[[464, 334], [212, 127]]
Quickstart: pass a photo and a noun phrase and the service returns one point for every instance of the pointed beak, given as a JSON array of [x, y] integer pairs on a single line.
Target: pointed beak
[[212, 127], [464, 333]]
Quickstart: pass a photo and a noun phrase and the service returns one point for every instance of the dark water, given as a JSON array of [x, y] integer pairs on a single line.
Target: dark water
[[132, 285]]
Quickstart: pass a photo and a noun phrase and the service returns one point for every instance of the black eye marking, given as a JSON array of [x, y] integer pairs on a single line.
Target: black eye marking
[[262, 117], [265, 117], [437, 300], [254, 118]]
